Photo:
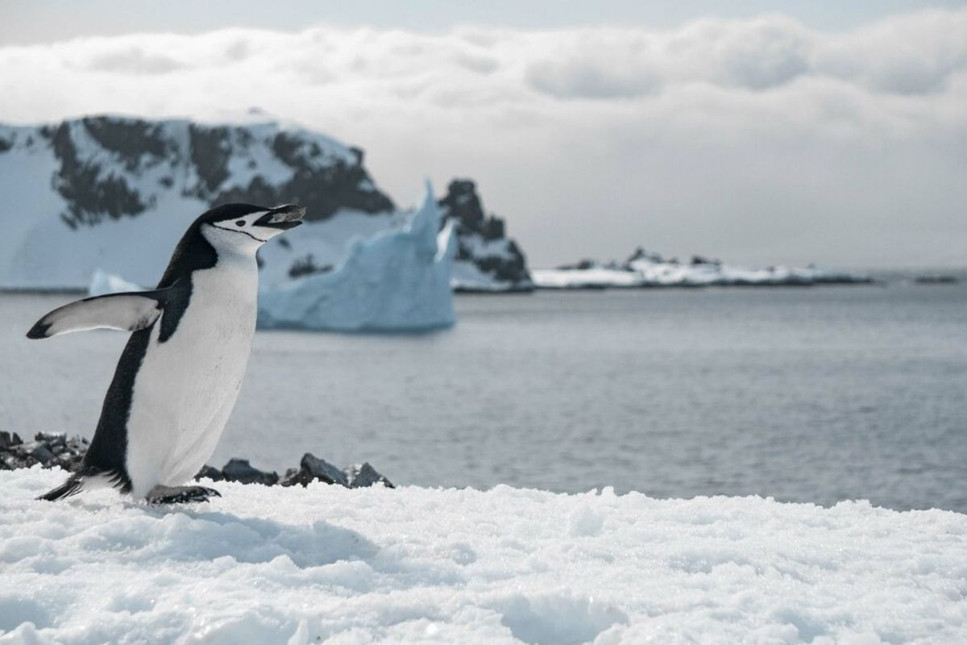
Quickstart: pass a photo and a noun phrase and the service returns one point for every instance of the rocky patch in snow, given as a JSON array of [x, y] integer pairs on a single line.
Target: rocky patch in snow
[[48, 450], [56, 450]]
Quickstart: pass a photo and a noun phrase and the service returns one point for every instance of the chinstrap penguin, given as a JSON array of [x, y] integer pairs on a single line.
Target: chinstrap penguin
[[179, 375]]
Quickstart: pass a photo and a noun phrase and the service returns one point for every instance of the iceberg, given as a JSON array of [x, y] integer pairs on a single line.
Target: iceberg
[[396, 280], [104, 283]]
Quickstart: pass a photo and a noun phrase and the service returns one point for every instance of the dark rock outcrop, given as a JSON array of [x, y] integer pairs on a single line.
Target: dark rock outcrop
[[311, 468], [364, 475], [482, 241], [240, 470]]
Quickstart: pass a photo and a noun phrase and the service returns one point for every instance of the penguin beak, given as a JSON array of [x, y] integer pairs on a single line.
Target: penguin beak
[[282, 217]]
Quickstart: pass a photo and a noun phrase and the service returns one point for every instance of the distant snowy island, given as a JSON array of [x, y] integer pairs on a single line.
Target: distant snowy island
[[649, 270], [504, 566]]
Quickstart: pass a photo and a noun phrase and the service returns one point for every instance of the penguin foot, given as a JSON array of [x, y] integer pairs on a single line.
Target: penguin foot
[[180, 494]]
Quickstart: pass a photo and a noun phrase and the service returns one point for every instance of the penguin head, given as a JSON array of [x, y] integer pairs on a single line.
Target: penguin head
[[244, 227]]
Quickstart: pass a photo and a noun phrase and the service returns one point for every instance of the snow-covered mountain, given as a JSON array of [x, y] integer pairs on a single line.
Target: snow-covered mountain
[[647, 269], [115, 193], [486, 259]]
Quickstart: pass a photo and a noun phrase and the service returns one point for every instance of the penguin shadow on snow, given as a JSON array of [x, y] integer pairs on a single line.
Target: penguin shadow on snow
[[206, 535]]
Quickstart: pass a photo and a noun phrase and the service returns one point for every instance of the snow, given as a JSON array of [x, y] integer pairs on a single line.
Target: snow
[[595, 277], [398, 279], [468, 276], [337, 565]]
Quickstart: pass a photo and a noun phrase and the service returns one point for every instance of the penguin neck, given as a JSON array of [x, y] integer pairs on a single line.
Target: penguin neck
[[196, 252], [193, 253]]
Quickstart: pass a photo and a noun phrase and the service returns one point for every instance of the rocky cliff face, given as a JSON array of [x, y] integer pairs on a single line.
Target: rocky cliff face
[[486, 259]]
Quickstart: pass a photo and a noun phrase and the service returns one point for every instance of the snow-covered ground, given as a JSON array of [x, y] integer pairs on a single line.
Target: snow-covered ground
[[413, 565]]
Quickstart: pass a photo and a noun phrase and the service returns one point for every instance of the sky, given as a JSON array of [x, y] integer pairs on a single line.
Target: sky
[[756, 132]]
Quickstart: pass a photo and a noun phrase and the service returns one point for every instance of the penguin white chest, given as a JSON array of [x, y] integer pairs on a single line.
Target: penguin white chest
[[188, 383]]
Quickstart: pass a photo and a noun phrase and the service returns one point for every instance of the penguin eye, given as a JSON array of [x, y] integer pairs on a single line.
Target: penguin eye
[[240, 223]]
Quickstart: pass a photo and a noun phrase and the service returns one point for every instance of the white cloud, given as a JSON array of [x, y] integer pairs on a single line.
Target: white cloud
[[743, 139]]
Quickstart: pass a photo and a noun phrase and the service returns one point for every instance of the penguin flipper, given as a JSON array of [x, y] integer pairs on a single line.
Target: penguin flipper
[[121, 311]]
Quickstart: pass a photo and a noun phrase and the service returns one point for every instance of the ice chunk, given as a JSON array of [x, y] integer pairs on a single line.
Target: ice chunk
[[103, 283]]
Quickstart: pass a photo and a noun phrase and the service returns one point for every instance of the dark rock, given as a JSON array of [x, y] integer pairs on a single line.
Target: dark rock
[[42, 454], [936, 279], [361, 476], [323, 470], [322, 190], [210, 472], [311, 468], [90, 193], [239, 470], [51, 439], [474, 228], [5, 440], [129, 139], [307, 266], [210, 151]]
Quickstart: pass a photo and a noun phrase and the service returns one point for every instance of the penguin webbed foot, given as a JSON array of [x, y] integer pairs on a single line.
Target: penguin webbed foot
[[180, 494]]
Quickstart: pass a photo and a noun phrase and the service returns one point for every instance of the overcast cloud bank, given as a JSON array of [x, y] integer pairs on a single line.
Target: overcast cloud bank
[[760, 141]]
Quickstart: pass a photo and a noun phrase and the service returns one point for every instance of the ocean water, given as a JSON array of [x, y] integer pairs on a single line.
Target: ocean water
[[804, 394]]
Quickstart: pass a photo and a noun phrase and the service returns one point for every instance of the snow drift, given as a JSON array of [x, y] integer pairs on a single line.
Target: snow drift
[[324, 563]]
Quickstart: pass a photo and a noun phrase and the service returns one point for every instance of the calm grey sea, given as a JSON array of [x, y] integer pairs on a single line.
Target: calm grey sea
[[814, 395]]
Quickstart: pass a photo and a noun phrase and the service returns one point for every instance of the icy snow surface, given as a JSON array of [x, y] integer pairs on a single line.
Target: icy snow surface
[[293, 565], [398, 279]]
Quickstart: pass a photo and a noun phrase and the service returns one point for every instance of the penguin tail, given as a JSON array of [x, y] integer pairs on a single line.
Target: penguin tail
[[72, 486]]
